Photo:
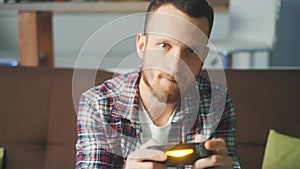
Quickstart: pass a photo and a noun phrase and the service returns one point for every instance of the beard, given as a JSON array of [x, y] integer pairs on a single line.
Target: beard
[[162, 86]]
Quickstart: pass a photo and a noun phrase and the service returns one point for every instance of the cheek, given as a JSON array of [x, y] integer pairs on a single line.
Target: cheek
[[155, 62], [195, 66], [197, 69], [149, 75]]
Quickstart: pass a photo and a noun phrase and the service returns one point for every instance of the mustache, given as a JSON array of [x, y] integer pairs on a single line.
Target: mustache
[[173, 78]]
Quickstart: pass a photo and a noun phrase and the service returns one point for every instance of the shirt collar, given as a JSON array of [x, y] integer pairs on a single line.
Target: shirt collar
[[127, 104]]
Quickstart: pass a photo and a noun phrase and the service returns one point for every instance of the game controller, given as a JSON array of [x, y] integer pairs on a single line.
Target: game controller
[[183, 154]]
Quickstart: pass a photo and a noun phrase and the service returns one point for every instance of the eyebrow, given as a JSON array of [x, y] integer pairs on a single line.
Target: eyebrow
[[168, 40]]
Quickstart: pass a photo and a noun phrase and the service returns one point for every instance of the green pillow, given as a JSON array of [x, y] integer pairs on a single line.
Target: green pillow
[[281, 151], [1, 156]]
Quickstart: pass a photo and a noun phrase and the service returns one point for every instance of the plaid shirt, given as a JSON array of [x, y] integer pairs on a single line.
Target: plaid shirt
[[109, 128]]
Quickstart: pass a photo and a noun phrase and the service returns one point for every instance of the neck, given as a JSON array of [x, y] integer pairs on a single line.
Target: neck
[[158, 112]]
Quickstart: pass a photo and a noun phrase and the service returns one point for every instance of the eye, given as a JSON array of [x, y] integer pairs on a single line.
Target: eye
[[163, 46], [191, 51]]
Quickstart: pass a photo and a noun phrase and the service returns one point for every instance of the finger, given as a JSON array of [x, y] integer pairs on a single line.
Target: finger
[[147, 154], [217, 145], [145, 165], [199, 138], [151, 142], [214, 161]]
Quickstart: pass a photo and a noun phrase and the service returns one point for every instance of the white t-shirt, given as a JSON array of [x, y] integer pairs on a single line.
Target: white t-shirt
[[150, 130]]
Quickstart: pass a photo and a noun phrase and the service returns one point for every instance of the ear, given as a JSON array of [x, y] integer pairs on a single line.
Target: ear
[[140, 44]]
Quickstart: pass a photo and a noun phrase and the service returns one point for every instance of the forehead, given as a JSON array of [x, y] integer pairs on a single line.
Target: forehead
[[168, 21], [169, 9]]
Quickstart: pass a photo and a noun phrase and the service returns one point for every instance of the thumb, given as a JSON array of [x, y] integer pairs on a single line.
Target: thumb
[[199, 138], [151, 142]]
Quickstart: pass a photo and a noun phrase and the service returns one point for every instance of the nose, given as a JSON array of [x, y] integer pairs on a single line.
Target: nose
[[175, 61]]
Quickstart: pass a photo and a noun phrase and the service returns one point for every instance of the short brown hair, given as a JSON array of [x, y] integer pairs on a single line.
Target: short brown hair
[[193, 8]]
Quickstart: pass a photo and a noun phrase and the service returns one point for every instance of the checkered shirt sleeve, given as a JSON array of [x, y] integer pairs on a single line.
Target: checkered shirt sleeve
[[92, 145]]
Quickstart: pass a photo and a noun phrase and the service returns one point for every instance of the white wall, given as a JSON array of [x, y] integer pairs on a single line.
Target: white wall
[[253, 19], [71, 31]]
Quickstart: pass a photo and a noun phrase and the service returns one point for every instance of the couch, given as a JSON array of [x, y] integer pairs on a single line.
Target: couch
[[38, 117]]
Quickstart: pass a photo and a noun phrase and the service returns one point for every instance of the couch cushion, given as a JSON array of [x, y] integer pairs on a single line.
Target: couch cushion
[[24, 116], [1, 156], [282, 151]]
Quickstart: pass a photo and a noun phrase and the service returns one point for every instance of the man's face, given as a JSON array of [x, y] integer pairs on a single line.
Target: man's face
[[172, 50]]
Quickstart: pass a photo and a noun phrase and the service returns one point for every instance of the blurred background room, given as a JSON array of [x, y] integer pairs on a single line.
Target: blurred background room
[[246, 35]]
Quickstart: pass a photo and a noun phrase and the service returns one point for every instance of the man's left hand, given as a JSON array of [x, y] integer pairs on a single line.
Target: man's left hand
[[219, 159]]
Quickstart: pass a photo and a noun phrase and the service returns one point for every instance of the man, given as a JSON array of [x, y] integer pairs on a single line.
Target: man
[[166, 101]]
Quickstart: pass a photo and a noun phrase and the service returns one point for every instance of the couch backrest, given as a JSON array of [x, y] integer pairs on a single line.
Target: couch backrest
[[24, 110], [62, 133], [38, 119], [263, 99]]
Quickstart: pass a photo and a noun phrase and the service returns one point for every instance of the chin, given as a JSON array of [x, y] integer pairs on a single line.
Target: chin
[[171, 95], [166, 92]]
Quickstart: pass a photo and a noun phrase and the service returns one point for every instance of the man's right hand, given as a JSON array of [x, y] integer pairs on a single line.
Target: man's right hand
[[146, 158]]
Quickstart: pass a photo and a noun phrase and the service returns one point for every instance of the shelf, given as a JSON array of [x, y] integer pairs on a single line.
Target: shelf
[[93, 7], [103, 7]]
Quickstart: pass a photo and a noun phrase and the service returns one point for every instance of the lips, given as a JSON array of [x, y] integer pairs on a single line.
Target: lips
[[169, 78]]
